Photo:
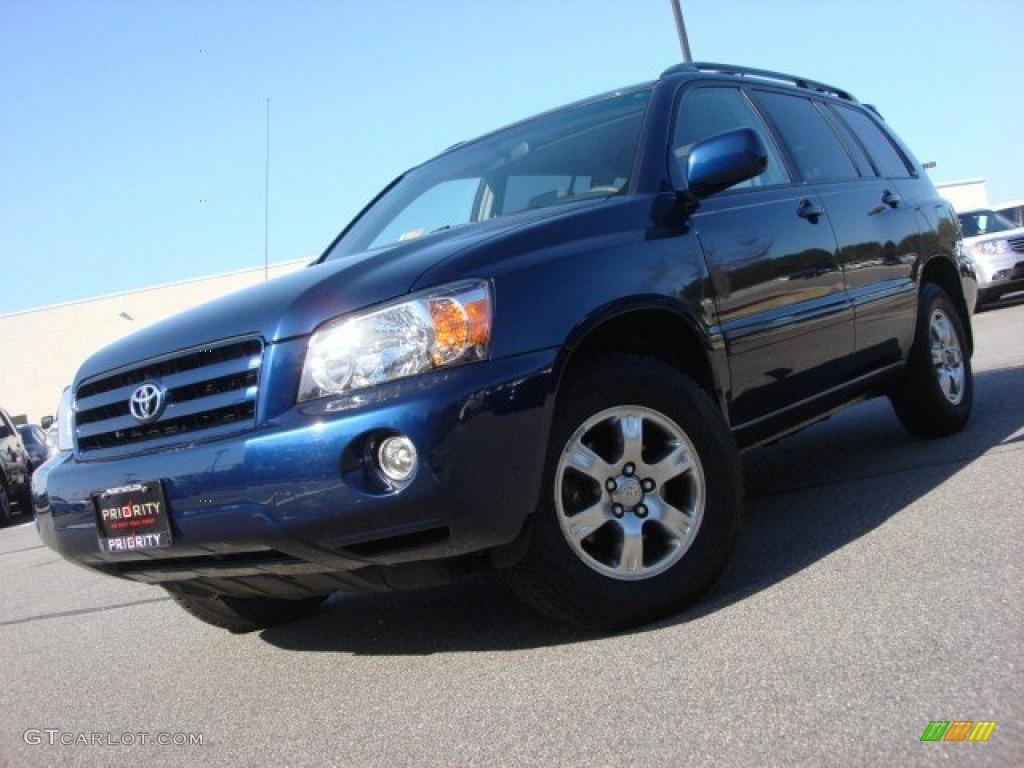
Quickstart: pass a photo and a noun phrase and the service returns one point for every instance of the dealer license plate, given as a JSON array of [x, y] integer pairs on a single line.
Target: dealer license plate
[[133, 517]]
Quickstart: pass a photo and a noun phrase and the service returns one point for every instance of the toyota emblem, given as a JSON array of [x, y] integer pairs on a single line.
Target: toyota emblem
[[147, 402]]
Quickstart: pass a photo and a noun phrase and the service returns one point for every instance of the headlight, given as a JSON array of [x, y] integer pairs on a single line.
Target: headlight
[[444, 327], [65, 424], [991, 247]]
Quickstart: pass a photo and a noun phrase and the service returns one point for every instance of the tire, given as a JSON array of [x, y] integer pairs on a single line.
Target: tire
[[641, 501], [25, 502], [241, 614], [935, 395], [5, 507]]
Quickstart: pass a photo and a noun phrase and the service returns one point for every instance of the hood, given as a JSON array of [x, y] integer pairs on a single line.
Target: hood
[[1006, 234], [295, 304]]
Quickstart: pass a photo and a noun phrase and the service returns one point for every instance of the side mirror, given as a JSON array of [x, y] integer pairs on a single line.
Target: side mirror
[[723, 160], [46, 422]]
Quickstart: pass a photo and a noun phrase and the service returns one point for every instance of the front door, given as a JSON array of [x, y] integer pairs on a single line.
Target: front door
[[776, 275]]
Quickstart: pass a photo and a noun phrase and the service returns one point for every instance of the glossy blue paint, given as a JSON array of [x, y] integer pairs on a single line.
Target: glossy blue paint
[[784, 300], [286, 482], [721, 161]]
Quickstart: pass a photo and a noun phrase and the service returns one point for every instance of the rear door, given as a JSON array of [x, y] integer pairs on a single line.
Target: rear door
[[873, 215], [772, 255], [878, 221]]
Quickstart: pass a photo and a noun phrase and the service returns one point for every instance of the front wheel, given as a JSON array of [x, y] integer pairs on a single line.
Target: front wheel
[[241, 614], [26, 500], [935, 395], [641, 500]]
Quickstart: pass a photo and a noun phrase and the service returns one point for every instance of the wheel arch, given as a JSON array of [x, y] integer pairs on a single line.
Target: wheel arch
[[650, 329], [942, 272]]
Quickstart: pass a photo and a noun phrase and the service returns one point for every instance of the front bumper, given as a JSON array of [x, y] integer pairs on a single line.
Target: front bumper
[[1001, 270], [293, 507]]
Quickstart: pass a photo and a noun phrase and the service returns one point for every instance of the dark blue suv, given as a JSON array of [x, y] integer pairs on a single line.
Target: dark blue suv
[[540, 352]]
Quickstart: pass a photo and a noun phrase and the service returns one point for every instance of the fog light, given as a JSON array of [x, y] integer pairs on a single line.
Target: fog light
[[397, 458]]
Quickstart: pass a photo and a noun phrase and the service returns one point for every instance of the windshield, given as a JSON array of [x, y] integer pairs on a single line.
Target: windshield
[[580, 152], [984, 222], [31, 436]]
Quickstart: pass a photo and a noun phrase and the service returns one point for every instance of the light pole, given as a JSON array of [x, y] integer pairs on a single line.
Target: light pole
[[684, 41], [266, 204]]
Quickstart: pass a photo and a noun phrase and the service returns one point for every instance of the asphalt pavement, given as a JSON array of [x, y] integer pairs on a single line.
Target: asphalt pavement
[[876, 587]]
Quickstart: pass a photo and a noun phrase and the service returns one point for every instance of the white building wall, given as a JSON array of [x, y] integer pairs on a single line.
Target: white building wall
[[41, 349], [965, 195]]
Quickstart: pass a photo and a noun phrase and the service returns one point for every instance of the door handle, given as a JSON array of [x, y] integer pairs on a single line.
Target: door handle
[[891, 199], [810, 211]]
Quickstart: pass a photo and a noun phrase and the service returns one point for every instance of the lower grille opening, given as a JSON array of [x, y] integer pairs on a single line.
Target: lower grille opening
[[253, 559], [397, 543]]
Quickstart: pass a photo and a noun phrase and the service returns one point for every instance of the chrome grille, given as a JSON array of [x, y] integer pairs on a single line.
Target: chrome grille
[[210, 390], [1017, 244]]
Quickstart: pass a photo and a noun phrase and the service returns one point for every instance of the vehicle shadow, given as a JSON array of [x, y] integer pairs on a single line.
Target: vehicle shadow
[[807, 496]]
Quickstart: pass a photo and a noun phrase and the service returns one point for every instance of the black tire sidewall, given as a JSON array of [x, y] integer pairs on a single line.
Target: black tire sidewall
[[5, 507], [921, 404], [618, 602], [27, 507]]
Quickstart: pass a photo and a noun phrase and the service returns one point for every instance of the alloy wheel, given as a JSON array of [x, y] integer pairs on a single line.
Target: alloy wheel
[[629, 492]]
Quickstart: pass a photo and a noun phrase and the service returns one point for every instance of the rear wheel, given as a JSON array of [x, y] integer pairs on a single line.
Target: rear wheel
[[935, 396], [641, 500], [241, 614]]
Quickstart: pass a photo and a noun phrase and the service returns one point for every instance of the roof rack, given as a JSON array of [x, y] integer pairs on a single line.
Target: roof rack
[[764, 74]]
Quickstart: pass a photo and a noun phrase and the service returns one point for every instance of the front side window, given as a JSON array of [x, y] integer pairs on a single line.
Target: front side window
[[814, 146], [585, 152], [706, 112]]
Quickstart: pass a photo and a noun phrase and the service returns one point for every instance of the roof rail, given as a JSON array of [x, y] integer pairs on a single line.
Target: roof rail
[[764, 74]]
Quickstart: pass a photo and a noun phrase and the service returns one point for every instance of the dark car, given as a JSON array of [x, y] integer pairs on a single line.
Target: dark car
[[35, 441], [15, 470], [540, 352]]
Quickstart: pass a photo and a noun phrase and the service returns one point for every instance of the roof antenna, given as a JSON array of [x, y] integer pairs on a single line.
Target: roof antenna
[[684, 41]]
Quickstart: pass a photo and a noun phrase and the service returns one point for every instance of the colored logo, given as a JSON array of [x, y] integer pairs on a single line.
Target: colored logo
[[958, 730]]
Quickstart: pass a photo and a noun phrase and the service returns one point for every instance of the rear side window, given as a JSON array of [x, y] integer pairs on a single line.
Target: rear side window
[[816, 150], [707, 112], [887, 158], [853, 147]]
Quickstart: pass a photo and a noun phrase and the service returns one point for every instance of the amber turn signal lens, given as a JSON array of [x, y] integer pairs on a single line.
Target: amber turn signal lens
[[479, 314], [451, 329]]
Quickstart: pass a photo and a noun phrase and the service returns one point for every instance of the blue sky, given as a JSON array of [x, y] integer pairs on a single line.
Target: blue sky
[[132, 133]]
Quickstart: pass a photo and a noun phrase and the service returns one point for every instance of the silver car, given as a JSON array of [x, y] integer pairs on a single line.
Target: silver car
[[996, 246]]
